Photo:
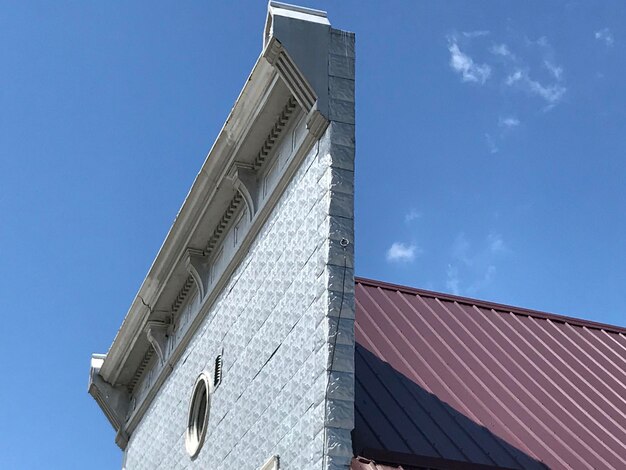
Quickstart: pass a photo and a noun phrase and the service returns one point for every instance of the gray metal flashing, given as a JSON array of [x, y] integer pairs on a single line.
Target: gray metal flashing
[[305, 33]]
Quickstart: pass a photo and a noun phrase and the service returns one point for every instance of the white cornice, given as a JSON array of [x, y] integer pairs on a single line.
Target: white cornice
[[305, 146], [226, 178], [218, 172], [202, 191]]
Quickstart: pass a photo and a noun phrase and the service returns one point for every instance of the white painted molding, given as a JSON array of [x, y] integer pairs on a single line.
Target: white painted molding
[[112, 400], [272, 464], [316, 123], [244, 179], [197, 424], [298, 85], [156, 333], [255, 226], [216, 194], [198, 266]]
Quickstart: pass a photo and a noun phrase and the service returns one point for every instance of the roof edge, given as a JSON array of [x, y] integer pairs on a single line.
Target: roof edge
[[493, 305], [387, 457]]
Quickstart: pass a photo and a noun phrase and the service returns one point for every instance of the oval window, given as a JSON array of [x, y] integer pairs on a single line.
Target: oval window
[[198, 419]]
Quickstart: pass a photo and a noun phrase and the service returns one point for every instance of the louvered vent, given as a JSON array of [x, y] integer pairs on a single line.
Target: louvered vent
[[217, 376]]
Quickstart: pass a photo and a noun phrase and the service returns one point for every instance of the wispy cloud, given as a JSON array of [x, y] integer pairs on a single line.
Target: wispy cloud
[[501, 50], [513, 77], [515, 65], [465, 65], [412, 215], [491, 143], [460, 249], [496, 243], [475, 34], [550, 93], [479, 284], [508, 122], [605, 36], [473, 268], [555, 70], [452, 279], [401, 252]]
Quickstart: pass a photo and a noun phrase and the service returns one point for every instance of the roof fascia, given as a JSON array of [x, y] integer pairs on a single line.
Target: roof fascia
[[273, 66], [213, 171]]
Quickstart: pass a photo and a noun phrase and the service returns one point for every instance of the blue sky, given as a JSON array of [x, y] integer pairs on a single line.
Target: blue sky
[[490, 163]]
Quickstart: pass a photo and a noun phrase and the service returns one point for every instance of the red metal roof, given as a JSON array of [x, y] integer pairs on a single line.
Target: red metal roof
[[470, 381]]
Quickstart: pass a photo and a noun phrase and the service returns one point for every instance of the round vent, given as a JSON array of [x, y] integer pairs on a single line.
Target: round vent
[[198, 420]]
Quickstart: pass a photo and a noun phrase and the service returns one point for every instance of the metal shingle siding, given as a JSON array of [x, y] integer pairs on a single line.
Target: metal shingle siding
[[471, 381]]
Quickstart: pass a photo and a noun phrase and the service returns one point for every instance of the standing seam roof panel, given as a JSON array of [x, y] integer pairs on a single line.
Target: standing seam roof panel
[[501, 455], [486, 384], [539, 399], [542, 385], [498, 388]]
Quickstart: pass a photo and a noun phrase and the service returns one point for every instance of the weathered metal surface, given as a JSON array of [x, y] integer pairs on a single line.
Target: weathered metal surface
[[467, 380]]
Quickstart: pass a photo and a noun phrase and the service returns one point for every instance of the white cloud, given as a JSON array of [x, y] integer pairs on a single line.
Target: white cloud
[[605, 35], [452, 279], [473, 268], [541, 42], [555, 70], [514, 77], [501, 50], [460, 248], [484, 281], [508, 122], [491, 144], [411, 216], [469, 70], [401, 252], [551, 93], [496, 244], [475, 34]]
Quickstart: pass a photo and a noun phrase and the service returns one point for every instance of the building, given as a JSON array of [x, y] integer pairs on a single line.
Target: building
[[251, 345], [448, 382], [250, 297]]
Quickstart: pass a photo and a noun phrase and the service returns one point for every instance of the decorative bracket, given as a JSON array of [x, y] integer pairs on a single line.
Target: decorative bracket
[[316, 123], [200, 269], [156, 332], [301, 89], [272, 51], [244, 179], [112, 400]]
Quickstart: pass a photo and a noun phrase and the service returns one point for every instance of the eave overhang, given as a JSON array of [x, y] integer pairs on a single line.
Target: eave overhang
[[275, 80], [205, 187], [263, 93]]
